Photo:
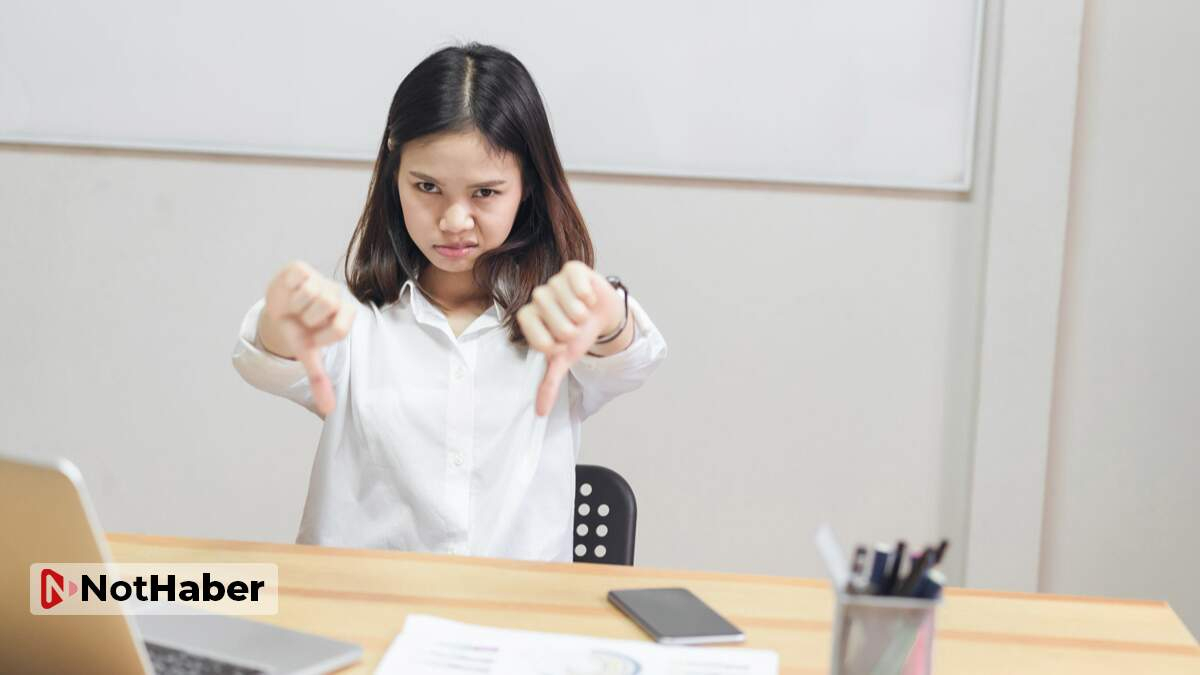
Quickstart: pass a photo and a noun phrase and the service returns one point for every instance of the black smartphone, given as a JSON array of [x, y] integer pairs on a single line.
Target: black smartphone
[[675, 616]]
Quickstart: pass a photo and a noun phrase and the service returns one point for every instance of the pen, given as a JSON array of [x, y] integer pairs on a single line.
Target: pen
[[893, 575], [858, 582], [916, 574], [941, 551]]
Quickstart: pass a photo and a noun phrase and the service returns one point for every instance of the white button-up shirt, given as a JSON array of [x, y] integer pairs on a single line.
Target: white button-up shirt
[[434, 444]]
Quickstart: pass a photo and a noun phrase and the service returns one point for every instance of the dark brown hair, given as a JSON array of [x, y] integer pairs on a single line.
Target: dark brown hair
[[459, 89]]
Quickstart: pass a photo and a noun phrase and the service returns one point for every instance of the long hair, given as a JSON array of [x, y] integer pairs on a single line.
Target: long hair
[[458, 89]]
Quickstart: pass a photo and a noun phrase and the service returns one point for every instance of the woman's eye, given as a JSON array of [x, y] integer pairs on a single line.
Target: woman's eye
[[489, 192], [421, 187]]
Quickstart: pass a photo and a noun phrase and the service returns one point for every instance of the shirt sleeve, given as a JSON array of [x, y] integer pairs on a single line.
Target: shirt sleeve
[[286, 377], [599, 379]]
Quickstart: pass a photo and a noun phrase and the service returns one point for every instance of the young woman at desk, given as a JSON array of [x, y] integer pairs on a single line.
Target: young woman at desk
[[470, 298]]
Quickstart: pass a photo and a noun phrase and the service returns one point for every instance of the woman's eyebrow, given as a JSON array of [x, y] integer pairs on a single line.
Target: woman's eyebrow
[[490, 183]]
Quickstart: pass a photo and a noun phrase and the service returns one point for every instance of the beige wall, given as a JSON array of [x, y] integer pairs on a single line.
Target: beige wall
[[1123, 486]]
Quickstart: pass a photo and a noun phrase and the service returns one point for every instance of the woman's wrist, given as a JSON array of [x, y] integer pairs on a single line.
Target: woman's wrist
[[619, 318], [620, 329], [618, 345], [620, 311]]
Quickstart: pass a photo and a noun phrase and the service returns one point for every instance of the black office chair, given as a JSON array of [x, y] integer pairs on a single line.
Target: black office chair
[[605, 516]]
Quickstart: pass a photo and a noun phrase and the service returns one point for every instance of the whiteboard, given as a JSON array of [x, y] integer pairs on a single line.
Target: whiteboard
[[848, 92]]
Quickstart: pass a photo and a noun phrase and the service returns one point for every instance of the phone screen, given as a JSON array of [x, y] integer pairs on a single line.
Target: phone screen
[[675, 615]]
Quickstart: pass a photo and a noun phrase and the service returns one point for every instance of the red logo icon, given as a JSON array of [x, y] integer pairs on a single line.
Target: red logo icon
[[53, 587]]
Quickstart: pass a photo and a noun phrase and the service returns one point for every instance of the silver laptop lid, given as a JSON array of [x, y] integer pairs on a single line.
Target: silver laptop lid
[[48, 518]]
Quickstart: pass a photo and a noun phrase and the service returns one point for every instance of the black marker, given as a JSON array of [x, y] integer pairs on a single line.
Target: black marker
[[930, 586], [878, 570]]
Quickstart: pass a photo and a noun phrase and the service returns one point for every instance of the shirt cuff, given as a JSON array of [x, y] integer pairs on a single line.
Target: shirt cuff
[[645, 346], [260, 367]]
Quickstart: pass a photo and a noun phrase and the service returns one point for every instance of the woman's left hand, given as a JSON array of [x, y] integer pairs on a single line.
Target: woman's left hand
[[563, 320]]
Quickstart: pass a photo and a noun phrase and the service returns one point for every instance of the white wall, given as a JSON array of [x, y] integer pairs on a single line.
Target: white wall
[[1026, 224], [811, 333], [1123, 501]]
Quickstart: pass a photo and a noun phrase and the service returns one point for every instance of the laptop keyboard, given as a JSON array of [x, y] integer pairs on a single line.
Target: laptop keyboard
[[171, 661]]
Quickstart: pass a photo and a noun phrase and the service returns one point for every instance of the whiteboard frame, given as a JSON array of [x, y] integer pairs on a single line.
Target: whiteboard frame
[[963, 185]]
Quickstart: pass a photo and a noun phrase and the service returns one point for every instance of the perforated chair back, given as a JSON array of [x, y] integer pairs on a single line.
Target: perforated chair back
[[605, 516]]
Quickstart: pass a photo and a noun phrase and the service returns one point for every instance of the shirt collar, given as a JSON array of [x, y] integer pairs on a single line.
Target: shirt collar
[[425, 312]]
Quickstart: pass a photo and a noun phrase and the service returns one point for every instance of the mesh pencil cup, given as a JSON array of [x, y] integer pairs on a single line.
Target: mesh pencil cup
[[875, 635]]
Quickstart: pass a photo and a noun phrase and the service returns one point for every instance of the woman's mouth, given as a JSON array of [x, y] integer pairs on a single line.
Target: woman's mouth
[[459, 251]]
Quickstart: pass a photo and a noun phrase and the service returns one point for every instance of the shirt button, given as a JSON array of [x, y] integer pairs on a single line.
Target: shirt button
[[458, 460], [459, 372]]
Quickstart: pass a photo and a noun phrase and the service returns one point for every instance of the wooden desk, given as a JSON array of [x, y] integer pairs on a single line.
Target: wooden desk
[[363, 596]]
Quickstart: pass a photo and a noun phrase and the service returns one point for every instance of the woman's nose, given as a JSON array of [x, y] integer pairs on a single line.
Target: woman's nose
[[457, 219]]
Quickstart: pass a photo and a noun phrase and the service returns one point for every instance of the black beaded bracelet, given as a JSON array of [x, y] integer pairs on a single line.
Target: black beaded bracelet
[[616, 283]]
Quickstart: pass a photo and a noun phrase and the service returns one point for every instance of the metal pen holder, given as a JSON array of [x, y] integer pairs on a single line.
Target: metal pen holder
[[880, 635]]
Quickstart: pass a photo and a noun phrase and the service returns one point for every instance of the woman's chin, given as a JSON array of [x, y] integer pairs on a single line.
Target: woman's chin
[[452, 266]]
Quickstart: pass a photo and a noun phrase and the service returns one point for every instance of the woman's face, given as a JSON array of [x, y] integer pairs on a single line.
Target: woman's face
[[458, 198]]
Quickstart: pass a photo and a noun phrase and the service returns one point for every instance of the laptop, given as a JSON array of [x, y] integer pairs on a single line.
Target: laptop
[[46, 517]]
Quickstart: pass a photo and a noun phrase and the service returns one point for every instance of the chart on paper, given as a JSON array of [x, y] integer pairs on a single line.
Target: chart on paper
[[433, 646]]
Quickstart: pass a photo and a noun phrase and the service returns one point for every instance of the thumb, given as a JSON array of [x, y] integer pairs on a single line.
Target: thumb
[[322, 388], [556, 369]]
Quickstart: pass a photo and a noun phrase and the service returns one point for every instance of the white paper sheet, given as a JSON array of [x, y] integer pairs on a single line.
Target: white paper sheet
[[430, 645]]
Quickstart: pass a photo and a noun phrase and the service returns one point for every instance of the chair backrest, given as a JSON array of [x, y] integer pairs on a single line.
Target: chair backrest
[[605, 516]]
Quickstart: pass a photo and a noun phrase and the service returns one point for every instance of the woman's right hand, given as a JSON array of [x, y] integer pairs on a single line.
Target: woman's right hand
[[304, 312]]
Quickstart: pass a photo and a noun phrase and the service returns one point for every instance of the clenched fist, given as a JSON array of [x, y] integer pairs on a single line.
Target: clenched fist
[[304, 312]]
